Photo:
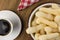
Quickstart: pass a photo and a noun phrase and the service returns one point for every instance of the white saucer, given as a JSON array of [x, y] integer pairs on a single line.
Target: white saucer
[[17, 30]]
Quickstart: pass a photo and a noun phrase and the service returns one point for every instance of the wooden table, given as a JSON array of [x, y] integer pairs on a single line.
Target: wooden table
[[24, 14]]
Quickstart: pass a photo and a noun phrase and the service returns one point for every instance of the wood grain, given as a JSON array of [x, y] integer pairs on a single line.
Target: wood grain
[[24, 14]]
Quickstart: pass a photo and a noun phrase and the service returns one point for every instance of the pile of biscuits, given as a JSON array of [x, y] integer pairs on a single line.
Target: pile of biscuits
[[46, 23]]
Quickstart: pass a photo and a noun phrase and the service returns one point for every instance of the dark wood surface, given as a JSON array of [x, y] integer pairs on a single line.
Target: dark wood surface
[[24, 14]]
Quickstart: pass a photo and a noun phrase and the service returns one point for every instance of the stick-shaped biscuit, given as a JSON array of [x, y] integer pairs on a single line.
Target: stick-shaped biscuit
[[52, 39], [47, 22], [55, 6], [58, 10], [31, 30], [49, 11], [42, 14], [48, 36], [42, 31], [57, 20], [34, 22], [59, 28], [58, 38], [55, 30], [48, 30], [37, 36]]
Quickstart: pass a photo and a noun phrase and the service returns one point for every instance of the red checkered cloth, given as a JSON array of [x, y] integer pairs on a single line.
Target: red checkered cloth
[[25, 3]]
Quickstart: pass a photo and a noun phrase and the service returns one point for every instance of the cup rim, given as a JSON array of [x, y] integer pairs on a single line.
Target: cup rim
[[33, 13]]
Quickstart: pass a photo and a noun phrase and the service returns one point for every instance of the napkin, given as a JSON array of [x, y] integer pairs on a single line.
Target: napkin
[[26, 3]]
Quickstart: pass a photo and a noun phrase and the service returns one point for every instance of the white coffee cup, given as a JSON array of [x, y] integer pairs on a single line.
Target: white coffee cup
[[15, 23]]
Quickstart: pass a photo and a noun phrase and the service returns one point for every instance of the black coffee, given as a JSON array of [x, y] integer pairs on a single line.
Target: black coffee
[[4, 27]]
